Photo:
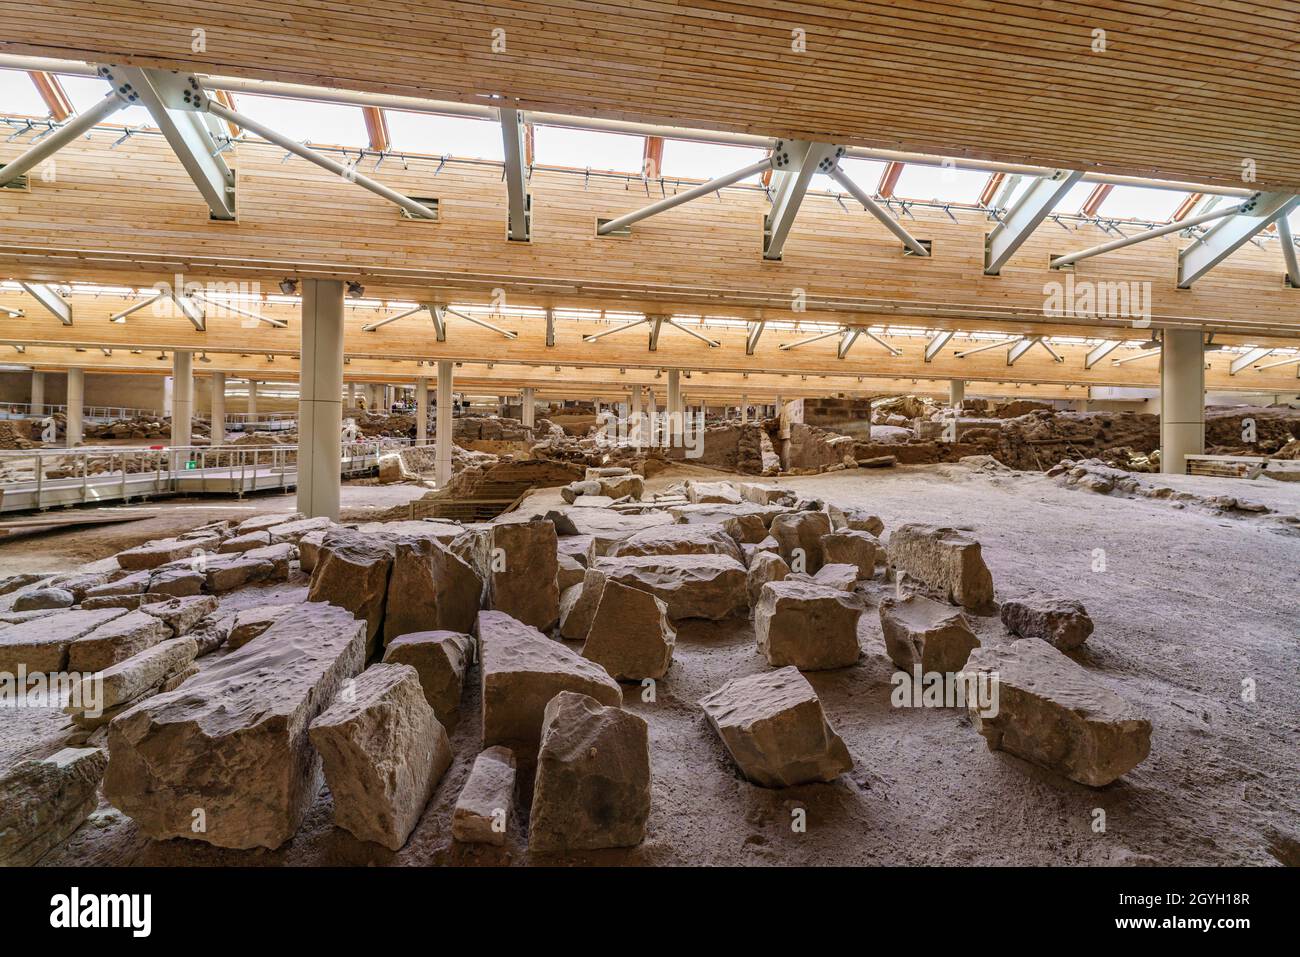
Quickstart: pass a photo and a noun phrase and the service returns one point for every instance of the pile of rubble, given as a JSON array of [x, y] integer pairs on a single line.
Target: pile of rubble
[[1094, 475], [210, 700]]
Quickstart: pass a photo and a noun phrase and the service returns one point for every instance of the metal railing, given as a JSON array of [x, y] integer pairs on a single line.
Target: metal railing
[[23, 410], [32, 479]]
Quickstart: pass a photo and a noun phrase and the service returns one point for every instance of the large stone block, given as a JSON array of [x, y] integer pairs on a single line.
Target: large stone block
[[776, 731], [933, 635], [592, 788], [43, 802], [1054, 713], [678, 540], [352, 572], [519, 561], [250, 623], [384, 752], [40, 645], [181, 614], [946, 560], [164, 550], [708, 493], [486, 802], [521, 671], [808, 625], [764, 567], [630, 636], [441, 659], [430, 589], [129, 679], [1061, 622], [799, 536], [226, 758], [692, 586], [116, 641], [851, 547]]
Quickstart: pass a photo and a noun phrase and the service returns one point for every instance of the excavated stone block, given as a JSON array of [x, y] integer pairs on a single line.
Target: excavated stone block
[[808, 625], [692, 586], [441, 659], [486, 803], [1062, 623], [352, 572], [946, 560], [231, 743], [521, 671], [1054, 713], [774, 727], [630, 636], [243, 543], [592, 788], [384, 752], [250, 623], [116, 640], [161, 551], [43, 802], [764, 567], [848, 546], [799, 537], [181, 614], [430, 589], [678, 540], [931, 634], [518, 561]]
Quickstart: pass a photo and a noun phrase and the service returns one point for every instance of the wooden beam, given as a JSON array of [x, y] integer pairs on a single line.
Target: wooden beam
[[51, 90], [376, 128]]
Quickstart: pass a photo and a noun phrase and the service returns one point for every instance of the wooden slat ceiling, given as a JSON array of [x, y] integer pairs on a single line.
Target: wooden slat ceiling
[[1183, 90]]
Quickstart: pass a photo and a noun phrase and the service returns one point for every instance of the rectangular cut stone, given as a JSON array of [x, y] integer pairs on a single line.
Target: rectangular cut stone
[[692, 586], [232, 742], [43, 802], [164, 550], [41, 644], [486, 802], [116, 641], [946, 560]]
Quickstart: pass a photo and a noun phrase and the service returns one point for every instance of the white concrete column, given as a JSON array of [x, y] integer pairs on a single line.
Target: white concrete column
[[320, 398], [252, 398], [442, 428], [76, 399], [956, 392], [528, 406], [38, 393], [744, 409], [218, 403], [182, 397], [674, 402], [634, 416], [422, 410], [352, 395], [1182, 398]]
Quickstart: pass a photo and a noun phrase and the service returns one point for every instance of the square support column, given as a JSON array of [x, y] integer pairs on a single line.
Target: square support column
[[421, 410], [674, 405], [252, 398], [528, 406], [442, 428], [634, 416], [744, 409], [218, 412], [320, 402], [38, 393], [1182, 398], [182, 398], [956, 392], [76, 399]]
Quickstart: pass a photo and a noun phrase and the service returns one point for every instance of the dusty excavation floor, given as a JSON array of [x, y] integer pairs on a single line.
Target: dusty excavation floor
[[1190, 605]]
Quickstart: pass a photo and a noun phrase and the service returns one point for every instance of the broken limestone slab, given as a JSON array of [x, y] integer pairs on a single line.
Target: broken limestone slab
[[521, 670], [678, 540], [43, 802], [293, 532], [630, 636], [116, 640], [592, 788], [223, 573], [764, 494], [692, 586], [352, 572], [747, 529], [774, 727], [946, 560], [231, 743], [132, 584], [838, 576], [181, 614], [41, 644], [242, 543], [578, 606], [384, 752], [618, 486], [518, 561], [280, 556], [709, 493], [1061, 622], [309, 547], [440, 658], [1054, 713], [430, 589], [852, 547], [569, 572], [808, 625], [764, 567], [854, 518], [931, 634], [486, 802], [127, 680], [177, 581], [164, 550], [263, 523], [799, 536], [250, 623]]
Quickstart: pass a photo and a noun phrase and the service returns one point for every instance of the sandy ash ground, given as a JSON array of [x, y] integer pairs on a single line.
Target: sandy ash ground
[[1190, 605]]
